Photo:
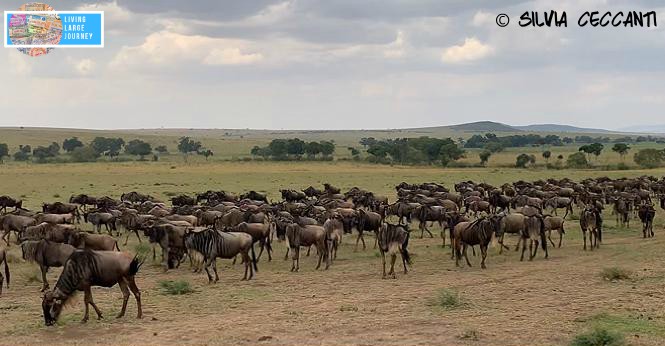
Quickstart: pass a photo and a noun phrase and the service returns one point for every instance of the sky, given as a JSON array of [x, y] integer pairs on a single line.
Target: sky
[[340, 64]]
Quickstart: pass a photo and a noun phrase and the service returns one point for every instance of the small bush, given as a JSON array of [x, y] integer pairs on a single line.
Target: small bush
[[577, 160], [84, 154], [615, 274], [449, 299], [598, 337], [56, 196], [176, 287], [348, 308], [470, 334]]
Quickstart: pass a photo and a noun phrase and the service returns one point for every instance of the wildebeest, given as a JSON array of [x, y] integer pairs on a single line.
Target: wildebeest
[[87, 268], [16, 223], [293, 195], [260, 233], [254, 196], [48, 231], [513, 223], [205, 246], [589, 221], [554, 223], [136, 197], [83, 199], [306, 236], [559, 202], [97, 219], [6, 201], [171, 239], [181, 200], [393, 239], [100, 242], [47, 254], [647, 214], [367, 221], [478, 232], [425, 213], [534, 231], [3, 258], [62, 208], [334, 231], [54, 218]]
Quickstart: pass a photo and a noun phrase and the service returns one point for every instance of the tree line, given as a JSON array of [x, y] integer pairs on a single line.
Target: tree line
[[413, 151], [111, 147], [295, 149]]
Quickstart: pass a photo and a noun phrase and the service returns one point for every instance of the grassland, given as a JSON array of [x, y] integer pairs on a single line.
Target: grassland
[[544, 302]]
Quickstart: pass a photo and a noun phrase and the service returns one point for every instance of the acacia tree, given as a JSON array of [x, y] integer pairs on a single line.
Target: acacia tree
[[187, 145], [621, 149], [70, 144], [484, 156], [139, 148]]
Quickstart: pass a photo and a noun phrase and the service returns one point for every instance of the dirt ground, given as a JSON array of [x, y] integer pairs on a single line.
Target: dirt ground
[[543, 302]]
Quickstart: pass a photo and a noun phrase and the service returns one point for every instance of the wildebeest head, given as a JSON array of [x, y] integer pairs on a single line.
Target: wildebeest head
[[52, 307]]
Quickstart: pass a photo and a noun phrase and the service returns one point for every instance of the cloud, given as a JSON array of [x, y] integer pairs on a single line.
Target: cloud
[[84, 67], [396, 49], [111, 10], [471, 50], [481, 18], [169, 48], [19, 63]]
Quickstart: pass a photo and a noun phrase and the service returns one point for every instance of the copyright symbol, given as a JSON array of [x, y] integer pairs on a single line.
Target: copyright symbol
[[502, 20]]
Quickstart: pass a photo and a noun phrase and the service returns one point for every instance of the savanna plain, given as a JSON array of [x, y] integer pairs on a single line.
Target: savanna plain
[[539, 302]]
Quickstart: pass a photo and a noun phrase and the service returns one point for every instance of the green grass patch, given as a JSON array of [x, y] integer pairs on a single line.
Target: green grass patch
[[625, 324], [598, 337], [615, 274], [142, 250], [448, 299], [175, 287]]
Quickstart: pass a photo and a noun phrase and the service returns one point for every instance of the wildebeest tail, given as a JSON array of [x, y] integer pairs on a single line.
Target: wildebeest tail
[[135, 265], [256, 268], [405, 251]]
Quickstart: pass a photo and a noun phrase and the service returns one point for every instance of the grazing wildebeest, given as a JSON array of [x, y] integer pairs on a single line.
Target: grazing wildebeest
[[513, 223], [133, 222], [207, 217], [205, 246], [3, 258], [393, 239], [254, 196], [293, 195], [478, 232], [330, 190], [136, 197], [260, 232], [181, 200], [589, 222], [402, 209], [499, 201], [87, 268], [367, 221], [452, 219], [100, 242], [16, 223], [647, 213], [83, 199], [312, 192], [433, 213], [306, 236], [534, 230], [47, 254], [6, 201], [554, 223], [97, 219]]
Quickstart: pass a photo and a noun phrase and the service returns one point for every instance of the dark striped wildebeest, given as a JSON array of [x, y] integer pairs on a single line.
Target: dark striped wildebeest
[[590, 221], [647, 213], [393, 239], [534, 231], [478, 232], [205, 246], [87, 268], [47, 254]]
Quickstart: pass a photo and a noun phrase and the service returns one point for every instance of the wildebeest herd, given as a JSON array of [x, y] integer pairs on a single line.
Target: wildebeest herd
[[220, 224]]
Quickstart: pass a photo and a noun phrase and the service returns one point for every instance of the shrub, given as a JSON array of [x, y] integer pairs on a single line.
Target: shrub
[[524, 159], [598, 337], [449, 299], [175, 287], [649, 158], [615, 273], [577, 160], [84, 154]]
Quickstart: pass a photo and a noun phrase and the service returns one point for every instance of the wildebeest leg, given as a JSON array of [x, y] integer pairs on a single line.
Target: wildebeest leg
[[465, 256], [383, 261], [45, 285], [286, 256], [483, 252], [517, 247], [207, 266], [262, 245], [584, 238], [523, 249], [125, 297], [360, 237], [320, 254], [591, 237], [245, 259], [136, 231], [535, 249], [214, 268], [393, 257], [308, 249], [296, 252], [549, 236], [560, 238], [137, 295], [88, 300], [127, 238], [234, 259]]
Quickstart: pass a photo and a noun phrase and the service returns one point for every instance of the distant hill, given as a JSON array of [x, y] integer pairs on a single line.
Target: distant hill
[[644, 128], [560, 128], [483, 126]]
